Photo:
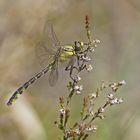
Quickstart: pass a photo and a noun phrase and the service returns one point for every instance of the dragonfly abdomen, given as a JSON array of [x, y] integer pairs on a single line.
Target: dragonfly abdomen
[[21, 89]]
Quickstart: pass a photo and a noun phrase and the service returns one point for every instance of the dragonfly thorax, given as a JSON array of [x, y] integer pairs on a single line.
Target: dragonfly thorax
[[67, 52]]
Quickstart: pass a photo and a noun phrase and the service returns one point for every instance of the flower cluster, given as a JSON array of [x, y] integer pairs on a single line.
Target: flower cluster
[[115, 86], [85, 126]]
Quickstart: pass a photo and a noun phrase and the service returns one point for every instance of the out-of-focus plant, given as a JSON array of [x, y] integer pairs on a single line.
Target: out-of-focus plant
[[78, 61], [82, 128]]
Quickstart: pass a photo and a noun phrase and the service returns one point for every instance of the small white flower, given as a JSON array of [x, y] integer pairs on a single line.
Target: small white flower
[[122, 82], [77, 131], [93, 95], [78, 92], [78, 89], [113, 85], [91, 129], [62, 111], [114, 101], [91, 49], [89, 68], [110, 96], [78, 78], [120, 100], [101, 110], [86, 58], [95, 46], [97, 41]]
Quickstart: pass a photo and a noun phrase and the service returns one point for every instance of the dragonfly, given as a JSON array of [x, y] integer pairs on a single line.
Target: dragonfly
[[59, 54]]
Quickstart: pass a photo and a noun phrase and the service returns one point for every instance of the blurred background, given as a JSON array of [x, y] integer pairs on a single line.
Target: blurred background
[[116, 23]]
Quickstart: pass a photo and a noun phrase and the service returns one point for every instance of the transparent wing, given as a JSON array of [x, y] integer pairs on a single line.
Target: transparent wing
[[53, 75], [50, 35], [43, 54], [48, 46], [71, 61]]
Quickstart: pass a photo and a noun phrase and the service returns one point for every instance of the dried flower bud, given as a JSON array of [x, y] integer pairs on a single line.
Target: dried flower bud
[[85, 101], [67, 112], [61, 100]]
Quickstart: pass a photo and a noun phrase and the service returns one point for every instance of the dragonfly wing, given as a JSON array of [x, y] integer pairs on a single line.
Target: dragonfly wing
[[48, 46], [53, 77], [43, 54], [50, 35], [71, 61]]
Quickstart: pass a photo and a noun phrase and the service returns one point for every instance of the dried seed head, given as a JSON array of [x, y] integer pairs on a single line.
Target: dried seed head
[[61, 100]]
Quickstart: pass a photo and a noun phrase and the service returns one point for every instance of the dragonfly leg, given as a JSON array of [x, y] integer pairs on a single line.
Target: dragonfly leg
[[71, 71], [67, 68]]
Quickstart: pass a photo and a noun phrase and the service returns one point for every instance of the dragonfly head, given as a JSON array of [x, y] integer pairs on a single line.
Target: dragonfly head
[[78, 46]]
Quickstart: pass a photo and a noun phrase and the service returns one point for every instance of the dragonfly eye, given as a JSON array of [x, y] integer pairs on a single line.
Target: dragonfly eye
[[77, 46]]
